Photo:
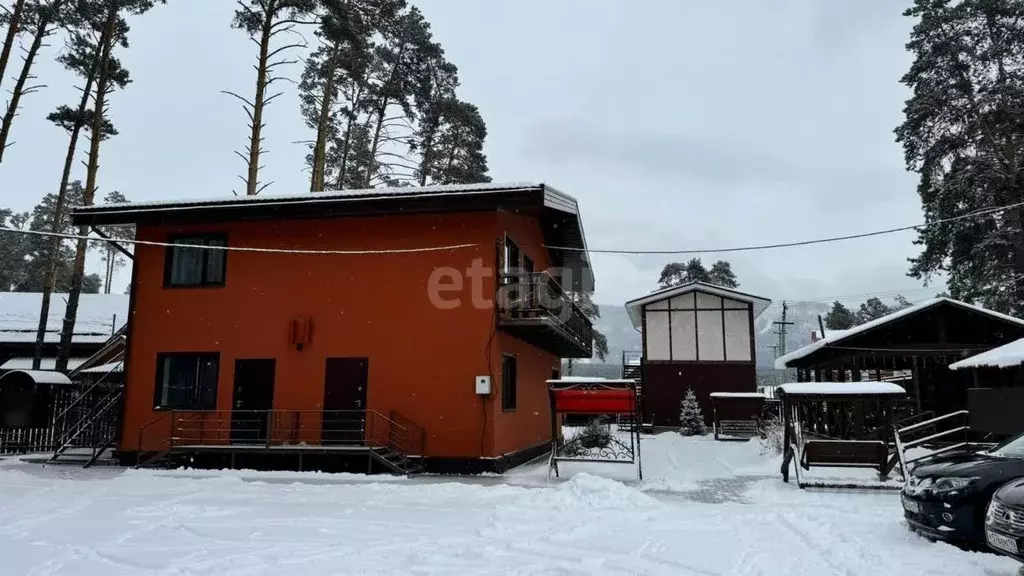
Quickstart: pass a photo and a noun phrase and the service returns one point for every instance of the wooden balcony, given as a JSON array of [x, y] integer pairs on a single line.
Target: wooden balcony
[[533, 307]]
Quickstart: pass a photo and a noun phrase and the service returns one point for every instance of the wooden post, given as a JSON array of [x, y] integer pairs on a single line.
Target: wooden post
[[786, 441], [842, 373], [916, 378], [855, 374]]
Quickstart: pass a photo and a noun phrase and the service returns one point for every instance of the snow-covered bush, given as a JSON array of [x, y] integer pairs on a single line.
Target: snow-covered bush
[[595, 435], [691, 420], [772, 436]]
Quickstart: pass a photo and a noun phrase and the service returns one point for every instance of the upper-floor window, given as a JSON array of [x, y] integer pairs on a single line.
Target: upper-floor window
[[512, 255], [192, 261]]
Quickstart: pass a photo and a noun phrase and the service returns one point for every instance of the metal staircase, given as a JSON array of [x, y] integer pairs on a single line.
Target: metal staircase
[[88, 426], [632, 369], [91, 421]]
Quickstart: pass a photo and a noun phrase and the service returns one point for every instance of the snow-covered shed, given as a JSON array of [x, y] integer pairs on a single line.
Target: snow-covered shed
[[698, 336], [924, 339]]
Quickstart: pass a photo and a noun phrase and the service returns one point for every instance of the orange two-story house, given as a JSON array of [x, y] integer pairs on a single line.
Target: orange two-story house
[[413, 326]]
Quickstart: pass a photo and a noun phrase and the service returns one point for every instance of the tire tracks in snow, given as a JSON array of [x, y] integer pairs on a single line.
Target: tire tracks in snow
[[809, 543]]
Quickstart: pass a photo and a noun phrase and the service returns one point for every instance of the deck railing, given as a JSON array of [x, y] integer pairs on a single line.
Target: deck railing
[[282, 428], [539, 295]]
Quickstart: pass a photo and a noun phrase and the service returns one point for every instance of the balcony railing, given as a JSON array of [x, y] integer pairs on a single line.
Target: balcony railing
[[534, 307]]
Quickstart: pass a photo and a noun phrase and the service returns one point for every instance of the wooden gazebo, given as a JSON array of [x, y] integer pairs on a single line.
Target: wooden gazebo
[[921, 341]]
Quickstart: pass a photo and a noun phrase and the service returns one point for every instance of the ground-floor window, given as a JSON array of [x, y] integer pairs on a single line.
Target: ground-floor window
[[186, 381], [509, 382]]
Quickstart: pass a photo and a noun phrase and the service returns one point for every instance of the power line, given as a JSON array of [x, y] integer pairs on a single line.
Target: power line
[[986, 212], [240, 248]]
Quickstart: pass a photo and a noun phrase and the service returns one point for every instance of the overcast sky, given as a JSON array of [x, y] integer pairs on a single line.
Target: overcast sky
[[677, 125]]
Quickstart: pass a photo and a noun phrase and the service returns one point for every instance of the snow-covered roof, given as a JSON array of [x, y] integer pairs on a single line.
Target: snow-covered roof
[[19, 316], [306, 197], [41, 376], [634, 307], [840, 388], [738, 395], [44, 364], [1005, 356], [836, 336], [105, 368]]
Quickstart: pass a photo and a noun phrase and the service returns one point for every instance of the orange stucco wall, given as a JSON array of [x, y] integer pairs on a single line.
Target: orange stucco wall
[[422, 359]]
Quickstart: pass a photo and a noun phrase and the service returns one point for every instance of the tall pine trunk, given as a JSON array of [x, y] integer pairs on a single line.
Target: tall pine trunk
[[255, 140], [371, 166], [319, 179], [111, 264], [19, 86], [50, 283], [346, 144], [92, 168], [12, 36]]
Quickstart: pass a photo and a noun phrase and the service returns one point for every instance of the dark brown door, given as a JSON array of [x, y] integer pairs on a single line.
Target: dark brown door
[[253, 399], [345, 400]]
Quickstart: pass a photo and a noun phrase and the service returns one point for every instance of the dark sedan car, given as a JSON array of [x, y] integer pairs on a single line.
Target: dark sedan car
[[1004, 524], [947, 498]]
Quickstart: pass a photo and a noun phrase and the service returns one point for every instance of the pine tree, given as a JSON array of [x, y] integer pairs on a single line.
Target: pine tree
[[263, 21], [677, 273], [691, 420], [112, 258], [12, 20], [901, 302], [81, 55], [337, 66], [871, 310], [840, 317], [110, 75], [721, 274], [453, 144], [399, 69], [962, 135], [40, 18]]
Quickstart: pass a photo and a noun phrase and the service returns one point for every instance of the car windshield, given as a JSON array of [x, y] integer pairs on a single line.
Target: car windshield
[[1012, 448]]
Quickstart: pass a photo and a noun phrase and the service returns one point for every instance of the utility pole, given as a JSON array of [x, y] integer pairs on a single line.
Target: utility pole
[[780, 346]]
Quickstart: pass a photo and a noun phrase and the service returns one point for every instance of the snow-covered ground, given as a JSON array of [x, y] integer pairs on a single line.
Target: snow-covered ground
[[705, 508]]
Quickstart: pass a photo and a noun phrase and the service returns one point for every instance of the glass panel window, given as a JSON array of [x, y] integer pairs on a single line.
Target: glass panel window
[[186, 381], [509, 383], [199, 266]]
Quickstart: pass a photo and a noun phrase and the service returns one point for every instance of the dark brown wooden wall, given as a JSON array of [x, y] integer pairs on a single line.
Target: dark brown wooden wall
[[665, 385]]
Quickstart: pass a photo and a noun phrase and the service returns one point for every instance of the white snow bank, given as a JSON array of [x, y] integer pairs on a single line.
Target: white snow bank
[[1011, 354], [841, 388], [94, 522]]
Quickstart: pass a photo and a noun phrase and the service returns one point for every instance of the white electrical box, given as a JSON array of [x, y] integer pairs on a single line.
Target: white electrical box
[[483, 385]]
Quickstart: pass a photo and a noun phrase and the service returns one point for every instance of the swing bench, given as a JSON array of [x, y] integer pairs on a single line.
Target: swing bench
[[832, 415], [594, 397]]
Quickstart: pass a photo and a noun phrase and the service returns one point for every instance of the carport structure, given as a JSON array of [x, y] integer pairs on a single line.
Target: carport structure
[[923, 339]]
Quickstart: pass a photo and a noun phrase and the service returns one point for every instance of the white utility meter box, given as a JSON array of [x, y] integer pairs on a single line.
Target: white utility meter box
[[483, 385]]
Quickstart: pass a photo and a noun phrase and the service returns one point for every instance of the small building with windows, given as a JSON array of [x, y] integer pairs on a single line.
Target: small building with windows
[[413, 326], [698, 336]]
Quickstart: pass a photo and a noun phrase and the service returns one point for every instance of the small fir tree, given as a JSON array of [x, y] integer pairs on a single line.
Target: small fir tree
[[691, 420], [595, 435]]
